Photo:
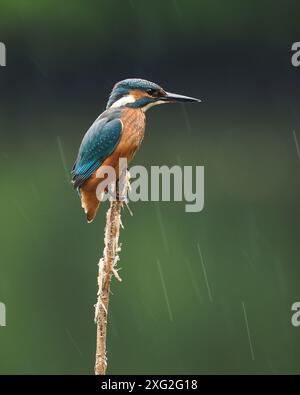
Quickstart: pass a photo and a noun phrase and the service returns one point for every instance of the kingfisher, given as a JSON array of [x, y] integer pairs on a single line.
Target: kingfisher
[[117, 133]]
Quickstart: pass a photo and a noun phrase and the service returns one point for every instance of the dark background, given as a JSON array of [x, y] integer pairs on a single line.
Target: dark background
[[62, 61]]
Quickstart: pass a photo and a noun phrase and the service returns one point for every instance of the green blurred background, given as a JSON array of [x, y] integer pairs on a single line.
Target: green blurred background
[[62, 61]]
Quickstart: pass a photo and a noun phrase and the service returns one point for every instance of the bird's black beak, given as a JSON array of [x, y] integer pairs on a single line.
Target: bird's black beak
[[173, 97]]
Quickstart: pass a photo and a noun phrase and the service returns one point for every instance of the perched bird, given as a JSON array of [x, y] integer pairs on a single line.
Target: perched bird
[[116, 133]]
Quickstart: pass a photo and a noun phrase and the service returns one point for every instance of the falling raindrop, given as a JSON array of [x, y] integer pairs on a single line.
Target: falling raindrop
[[296, 143], [248, 331], [162, 227], [193, 280], [205, 274], [165, 290], [63, 159]]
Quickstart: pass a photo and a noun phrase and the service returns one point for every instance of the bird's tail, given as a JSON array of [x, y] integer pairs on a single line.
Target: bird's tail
[[89, 200]]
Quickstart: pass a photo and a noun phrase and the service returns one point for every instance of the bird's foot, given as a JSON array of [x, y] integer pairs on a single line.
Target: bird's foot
[[122, 198]]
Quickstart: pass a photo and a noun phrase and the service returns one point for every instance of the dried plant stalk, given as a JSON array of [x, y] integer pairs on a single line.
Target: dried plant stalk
[[107, 268]]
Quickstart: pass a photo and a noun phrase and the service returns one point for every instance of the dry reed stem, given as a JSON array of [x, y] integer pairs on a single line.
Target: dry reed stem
[[107, 268]]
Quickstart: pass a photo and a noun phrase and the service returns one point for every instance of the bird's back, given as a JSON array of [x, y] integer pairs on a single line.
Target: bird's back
[[116, 133]]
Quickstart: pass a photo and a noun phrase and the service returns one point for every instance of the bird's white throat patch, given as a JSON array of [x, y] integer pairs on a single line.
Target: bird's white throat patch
[[155, 103], [123, 101]]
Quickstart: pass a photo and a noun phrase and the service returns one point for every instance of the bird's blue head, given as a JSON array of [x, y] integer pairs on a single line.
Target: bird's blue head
[[143, 94]]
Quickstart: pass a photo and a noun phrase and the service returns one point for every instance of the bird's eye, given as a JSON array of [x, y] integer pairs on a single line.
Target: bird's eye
[[153, 92]]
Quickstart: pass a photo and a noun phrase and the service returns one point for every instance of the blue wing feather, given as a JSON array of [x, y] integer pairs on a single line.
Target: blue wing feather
[[98, 143]]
